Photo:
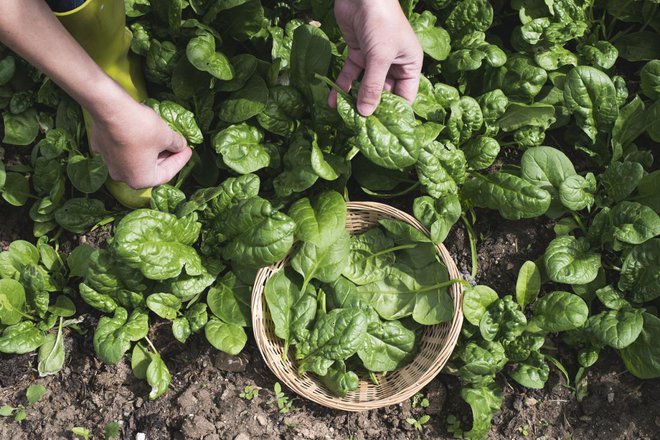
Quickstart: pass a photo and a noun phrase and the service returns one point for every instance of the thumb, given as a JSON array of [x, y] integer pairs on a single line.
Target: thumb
[[171, 165], [373, 83], [177, 144]]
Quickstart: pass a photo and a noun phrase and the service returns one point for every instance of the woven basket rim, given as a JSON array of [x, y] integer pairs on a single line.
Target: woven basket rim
[[281, 369]]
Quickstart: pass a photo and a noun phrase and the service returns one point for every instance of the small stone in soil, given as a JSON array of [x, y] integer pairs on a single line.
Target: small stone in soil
[[530, 401], [262, 420], [227, 362], [242, 436]]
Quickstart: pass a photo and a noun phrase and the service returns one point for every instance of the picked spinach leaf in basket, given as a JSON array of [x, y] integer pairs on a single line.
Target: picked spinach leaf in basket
[[352, 306]]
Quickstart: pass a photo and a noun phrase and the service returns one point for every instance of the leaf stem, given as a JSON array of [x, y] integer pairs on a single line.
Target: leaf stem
[[333, 85], [579, 223], [392, 249], [473, 245], [151, 344]]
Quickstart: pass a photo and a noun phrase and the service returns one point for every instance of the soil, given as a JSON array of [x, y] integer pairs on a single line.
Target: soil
[[204, 398]]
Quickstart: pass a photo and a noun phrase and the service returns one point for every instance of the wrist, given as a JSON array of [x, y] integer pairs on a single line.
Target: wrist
[[106, 99]]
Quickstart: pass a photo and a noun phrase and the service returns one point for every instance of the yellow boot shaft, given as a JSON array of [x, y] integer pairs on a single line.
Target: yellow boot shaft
[[99, 26]]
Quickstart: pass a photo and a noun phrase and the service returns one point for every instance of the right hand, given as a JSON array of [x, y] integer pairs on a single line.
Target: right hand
[[137, 146]]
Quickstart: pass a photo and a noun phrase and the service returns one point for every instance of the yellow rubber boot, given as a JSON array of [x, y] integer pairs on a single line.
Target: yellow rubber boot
[[99, 26]]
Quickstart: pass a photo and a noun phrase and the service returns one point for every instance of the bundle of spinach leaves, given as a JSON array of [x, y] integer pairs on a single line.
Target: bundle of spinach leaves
[[355, 302]]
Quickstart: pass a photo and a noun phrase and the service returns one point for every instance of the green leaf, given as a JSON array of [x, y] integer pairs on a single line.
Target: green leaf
[[634, 223], [140, 360], [320, 220], [158, 244], [22, 128], [78, 215], [229, 338], [245, 103], [291, 309], [164, 305], [388, 345], [340, 381], [531, 373], [391, 137], [591, 96], [650, 79], [201, 53], [181, 329], [12, 301], [484, 400], [241, 148], [179, 119], [310, 55], [34, 393], [480, 152], [642, 357], [617, 328], [336, 335], [571, 261], [257, 234], [440, 169], [229, 300], [325, 264], [638, 46], [158, 376], [476, 300], [434, 40], [437, 215], [63, 307], [87, 174], [113, 336], [16, 190], [513, 197], [284, 108], [371, 253], [560, 311], [577, 192], [524, 115], [78, 260], [528, 284], [21, 338], [51, 354], [620, 179], [639, 273]]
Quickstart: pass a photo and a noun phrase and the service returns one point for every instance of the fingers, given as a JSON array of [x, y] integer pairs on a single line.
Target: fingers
[[390, 84], [171, 165], [348, 74], [178, 143], [373, 83], [407, 88]]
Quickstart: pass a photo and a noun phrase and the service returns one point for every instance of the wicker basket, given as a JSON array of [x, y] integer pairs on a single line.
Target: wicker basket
[[436, 345]]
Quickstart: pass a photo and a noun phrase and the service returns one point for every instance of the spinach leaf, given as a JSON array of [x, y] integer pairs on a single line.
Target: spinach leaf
[[560, 311], [241, 148], [158, 244], [512, 196], [391, 137], [642, 357], [570, 260], [388, 346], [591, 96], [291, 308], [336, 335]]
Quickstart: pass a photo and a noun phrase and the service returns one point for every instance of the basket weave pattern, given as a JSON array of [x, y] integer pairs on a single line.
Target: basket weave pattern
[[435, 347]]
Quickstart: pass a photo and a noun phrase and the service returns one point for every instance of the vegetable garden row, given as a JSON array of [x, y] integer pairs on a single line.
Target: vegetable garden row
[[528, 108]]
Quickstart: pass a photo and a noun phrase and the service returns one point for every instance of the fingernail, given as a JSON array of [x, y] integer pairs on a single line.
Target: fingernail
[[366, 109]]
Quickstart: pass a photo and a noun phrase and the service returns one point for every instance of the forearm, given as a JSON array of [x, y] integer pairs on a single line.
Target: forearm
[[30, 29]]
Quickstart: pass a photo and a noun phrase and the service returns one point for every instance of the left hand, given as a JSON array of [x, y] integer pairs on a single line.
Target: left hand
[[381, 43]]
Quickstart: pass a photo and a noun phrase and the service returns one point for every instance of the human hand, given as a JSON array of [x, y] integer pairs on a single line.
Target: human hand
[[137, 146], [381, 43]]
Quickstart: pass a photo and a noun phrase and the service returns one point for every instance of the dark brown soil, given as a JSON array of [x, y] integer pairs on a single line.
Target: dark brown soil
[[204, 399]]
